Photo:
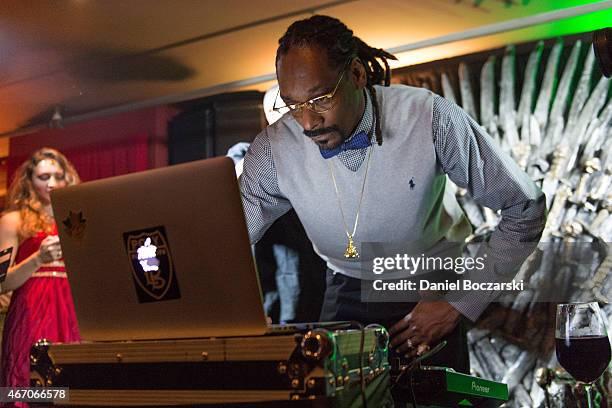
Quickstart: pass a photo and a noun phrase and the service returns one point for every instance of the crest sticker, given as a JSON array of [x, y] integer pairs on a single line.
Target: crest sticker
[[152, 268]]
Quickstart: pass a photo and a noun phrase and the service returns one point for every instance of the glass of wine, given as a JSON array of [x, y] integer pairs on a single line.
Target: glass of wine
[[582, 343]]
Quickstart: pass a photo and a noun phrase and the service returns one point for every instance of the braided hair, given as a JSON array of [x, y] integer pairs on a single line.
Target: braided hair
[[331, 35]]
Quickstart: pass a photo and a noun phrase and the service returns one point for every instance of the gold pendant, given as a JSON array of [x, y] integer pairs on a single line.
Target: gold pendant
[[351, 251]]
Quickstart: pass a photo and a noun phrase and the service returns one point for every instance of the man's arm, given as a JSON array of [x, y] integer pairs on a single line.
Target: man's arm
[[475, 162], [262, 199]]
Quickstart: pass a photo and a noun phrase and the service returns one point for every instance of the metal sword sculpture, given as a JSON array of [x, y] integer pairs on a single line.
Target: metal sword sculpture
[[564, 143]]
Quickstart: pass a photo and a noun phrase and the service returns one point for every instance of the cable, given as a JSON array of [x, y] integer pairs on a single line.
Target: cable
[[412, 395], [364, 399], [410, 368]]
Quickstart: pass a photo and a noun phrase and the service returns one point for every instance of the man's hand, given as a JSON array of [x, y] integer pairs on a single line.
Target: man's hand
[[427, 323]]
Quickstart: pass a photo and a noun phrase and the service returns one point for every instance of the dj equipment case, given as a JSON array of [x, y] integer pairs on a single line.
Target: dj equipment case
[[320, 368]]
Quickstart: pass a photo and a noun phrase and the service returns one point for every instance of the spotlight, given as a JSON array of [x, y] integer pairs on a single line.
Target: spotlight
[[57, 119]]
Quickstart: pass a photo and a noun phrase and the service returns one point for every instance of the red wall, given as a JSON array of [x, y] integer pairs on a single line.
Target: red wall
[[104, 147]]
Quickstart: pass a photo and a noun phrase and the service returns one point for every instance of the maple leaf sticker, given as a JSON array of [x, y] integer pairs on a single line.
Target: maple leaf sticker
[[75, 224]]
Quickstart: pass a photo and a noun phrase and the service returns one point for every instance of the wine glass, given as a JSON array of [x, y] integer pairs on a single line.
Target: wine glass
[[582, 343]]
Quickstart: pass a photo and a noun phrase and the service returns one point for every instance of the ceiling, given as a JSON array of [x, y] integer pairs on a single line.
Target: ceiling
[[91, 58]]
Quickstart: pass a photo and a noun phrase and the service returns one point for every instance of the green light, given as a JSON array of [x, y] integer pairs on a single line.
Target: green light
[[578, 24], [573, 25], [568, 26], [332, 341]]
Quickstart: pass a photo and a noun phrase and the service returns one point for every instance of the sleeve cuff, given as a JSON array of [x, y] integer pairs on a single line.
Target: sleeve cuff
[[473, 304]]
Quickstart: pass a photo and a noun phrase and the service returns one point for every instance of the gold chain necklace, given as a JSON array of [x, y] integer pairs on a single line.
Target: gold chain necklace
[[351, 250]]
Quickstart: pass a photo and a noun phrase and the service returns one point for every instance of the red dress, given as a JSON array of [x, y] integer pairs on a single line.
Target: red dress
[[41, 308]]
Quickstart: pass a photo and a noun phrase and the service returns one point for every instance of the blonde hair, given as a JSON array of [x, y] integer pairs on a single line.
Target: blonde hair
[[22, 197]]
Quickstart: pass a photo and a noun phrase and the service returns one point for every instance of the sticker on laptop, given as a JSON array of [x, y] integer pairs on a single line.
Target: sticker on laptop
[[75, 224], [152, 268]]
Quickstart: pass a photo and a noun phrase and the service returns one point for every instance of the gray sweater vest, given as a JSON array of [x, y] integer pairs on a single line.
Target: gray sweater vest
[[405, 209]]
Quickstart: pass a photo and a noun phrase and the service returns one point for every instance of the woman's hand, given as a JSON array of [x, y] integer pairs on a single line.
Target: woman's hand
[[49, 250]]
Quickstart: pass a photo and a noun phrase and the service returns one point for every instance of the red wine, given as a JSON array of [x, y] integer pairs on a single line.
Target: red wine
[[585, 358]]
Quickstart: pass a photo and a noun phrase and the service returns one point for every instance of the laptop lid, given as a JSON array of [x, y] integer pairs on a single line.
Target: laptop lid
[[160, 254]]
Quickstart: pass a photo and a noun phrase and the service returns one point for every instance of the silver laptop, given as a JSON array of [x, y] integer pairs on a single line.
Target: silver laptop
[[161, 254]]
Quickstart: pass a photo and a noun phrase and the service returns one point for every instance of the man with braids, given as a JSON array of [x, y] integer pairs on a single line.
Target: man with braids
[[360, 162]]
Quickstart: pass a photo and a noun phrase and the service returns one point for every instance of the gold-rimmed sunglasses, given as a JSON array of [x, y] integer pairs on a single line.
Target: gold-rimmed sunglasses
[[320, 104]]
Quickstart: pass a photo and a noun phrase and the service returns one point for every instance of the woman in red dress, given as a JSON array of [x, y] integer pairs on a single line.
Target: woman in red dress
[[41, 305]]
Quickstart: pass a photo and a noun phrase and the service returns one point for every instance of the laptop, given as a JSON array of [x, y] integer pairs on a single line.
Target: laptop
[[161, 254]]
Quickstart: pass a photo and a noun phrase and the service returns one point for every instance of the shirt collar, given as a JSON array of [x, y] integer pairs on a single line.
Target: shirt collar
[[367, 119]]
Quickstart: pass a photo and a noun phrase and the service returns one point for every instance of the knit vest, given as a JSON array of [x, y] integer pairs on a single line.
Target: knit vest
[[404, 209]]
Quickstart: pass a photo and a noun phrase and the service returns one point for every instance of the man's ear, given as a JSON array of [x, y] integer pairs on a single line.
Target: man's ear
[[358, 73]]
